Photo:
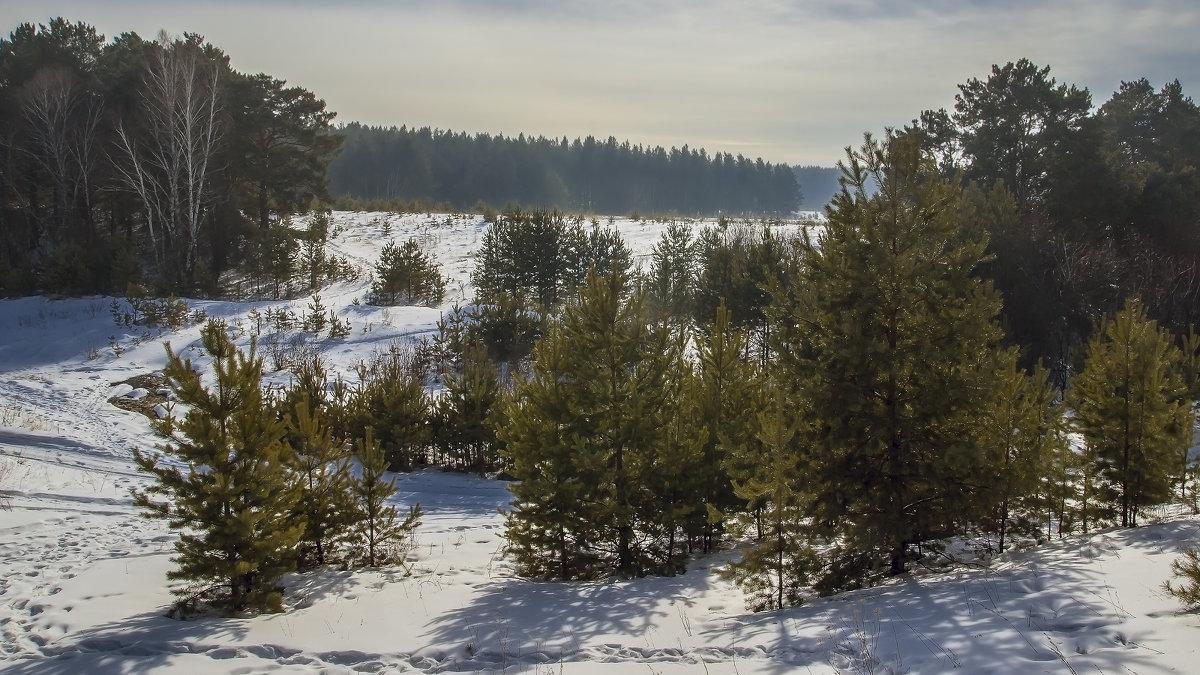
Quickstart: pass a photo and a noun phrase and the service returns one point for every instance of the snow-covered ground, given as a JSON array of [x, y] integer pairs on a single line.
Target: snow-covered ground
[[83, 587]]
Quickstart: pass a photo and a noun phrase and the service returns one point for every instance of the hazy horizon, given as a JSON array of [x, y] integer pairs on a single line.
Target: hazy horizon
[[790, 82]]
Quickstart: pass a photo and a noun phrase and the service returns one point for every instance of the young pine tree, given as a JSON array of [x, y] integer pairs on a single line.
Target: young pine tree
[[391, 399], [326, 505], [1025, 431], [673, 271], [892, 343], [729, 398], [406, 275], [466, 413], [379, 534], [775, 569], [1130, 405], [675, 517], [233, 495], [581, 432]]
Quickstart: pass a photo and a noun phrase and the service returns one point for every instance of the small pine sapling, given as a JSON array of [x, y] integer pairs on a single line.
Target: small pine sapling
[[379, 534]]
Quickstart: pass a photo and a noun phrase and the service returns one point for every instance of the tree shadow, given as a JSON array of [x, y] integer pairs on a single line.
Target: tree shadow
[[449, 494], [138, 644], [515, 618]]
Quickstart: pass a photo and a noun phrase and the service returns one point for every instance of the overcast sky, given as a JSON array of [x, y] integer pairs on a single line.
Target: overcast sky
[[786, 80]]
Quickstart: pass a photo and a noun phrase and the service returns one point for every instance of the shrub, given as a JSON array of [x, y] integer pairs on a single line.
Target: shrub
[[406, 275]]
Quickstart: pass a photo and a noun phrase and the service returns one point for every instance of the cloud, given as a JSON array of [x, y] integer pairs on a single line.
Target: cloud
[[789, 80]]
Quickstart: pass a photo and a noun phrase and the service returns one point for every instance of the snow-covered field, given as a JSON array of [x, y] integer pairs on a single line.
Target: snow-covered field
[[83, 587]]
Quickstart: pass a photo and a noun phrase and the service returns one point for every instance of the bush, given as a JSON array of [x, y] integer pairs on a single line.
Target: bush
[[406, 275], [1187, 571]]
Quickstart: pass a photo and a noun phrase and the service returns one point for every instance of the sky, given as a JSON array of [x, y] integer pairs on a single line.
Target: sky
[[789, 81]]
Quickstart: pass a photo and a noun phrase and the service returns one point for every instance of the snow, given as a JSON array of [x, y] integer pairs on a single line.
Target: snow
[[84, 586]]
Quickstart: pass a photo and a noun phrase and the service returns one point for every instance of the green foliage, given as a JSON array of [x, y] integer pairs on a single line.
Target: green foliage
[[271, 259], [1011, 122], [1186, 570], [406, 275], [139, 309], [281, 144], [380, 535], [391, 400], [1024, 431], [531, 256], [316, 319], [774, 571], [157, 146], [1130, 404], [729, 393], [736, 266], [466, 414], [460, 170], [586, 435], [326, 505], [673, 271], [506, 329], [232, 494], [890, 343]]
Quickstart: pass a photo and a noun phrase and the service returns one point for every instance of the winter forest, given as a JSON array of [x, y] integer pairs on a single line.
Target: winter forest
[[983, 350]]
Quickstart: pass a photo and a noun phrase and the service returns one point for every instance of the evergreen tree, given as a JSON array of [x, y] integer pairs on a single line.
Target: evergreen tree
[[1024, 430], [466, 413], [233, 497], [283, 145], [326, 504], [736, 265], [536, 257], [1186, 570], [776, 568], [673, 271], [729, 392], [1189, 345], [891, 343], [406, 275], [581, 433], [675, 517], [379, 534], [391, 399], [1130, 403]]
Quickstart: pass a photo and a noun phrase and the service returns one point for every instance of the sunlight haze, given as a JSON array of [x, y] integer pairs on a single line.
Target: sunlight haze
[[790, 82]]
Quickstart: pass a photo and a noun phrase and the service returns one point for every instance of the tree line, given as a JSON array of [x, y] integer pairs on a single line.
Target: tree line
[[135, 161], [1084, 205], [586, 175], [882, 414]]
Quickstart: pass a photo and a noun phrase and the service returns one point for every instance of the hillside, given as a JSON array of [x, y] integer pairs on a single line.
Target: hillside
[[84, 587]]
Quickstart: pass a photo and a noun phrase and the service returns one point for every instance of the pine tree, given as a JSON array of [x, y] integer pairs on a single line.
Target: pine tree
[[466, 413], [406, 275], [891, 343], [326, 505], [1186, 570], [729, 392], [392, 400], [1130, 404], [234, 497], [379, 535], [1024, 431], [673, 476], [673, 271], [581, 433], [776, 568], [1189, 345]]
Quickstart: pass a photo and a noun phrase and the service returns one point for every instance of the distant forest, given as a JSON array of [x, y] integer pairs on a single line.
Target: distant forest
[[818, 185], [596, 176]]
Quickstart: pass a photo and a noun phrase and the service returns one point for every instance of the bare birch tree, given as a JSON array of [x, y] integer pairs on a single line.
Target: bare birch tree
[[63, 119], [166, 160]]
